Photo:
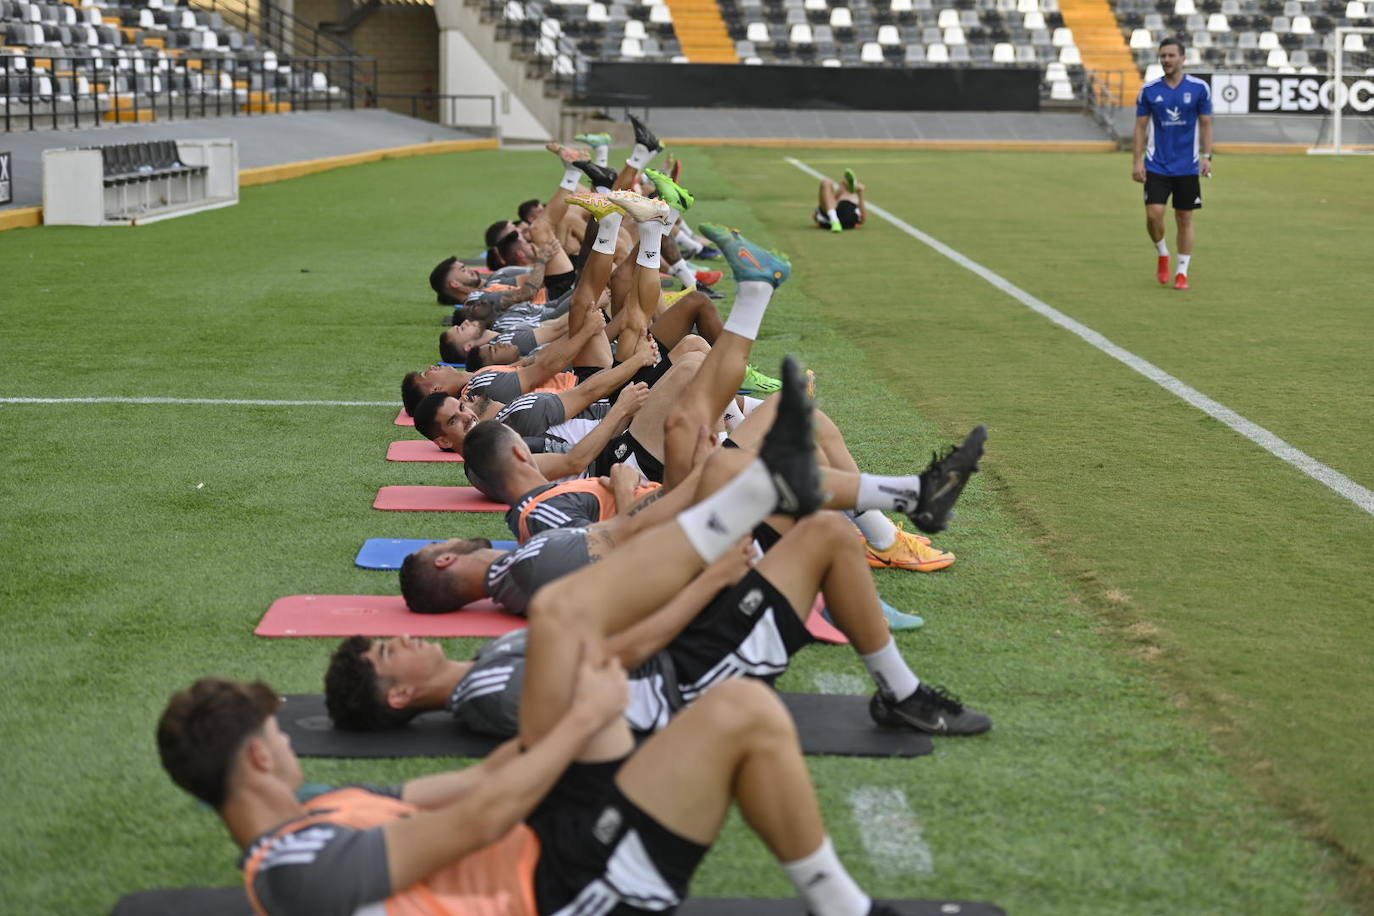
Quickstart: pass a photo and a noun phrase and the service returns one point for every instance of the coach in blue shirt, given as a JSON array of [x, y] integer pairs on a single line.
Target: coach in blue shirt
[[1173, 143]]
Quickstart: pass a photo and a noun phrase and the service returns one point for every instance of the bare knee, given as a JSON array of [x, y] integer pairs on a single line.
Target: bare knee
[[689, 345], [743, 708]]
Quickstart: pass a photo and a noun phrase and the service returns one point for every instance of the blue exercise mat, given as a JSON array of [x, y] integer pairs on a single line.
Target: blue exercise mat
[[389, 553]]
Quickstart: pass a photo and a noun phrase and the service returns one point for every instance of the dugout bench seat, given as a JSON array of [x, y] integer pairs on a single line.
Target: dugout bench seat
[[131, 183]]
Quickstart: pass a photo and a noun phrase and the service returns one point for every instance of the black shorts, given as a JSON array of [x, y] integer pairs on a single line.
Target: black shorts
[[559, 284], [582, 823], [749, 629], [1185, 189], [616, 451]]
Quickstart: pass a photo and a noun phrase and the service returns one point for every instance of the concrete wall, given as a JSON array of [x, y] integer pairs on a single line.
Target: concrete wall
[[405, 41], [466, 72]]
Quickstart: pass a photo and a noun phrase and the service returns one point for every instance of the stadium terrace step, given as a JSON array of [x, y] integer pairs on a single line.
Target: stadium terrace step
[[1098, 36], [701, 31]]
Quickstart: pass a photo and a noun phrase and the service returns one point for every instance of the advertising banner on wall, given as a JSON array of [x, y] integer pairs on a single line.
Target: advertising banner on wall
[[1287, 93]]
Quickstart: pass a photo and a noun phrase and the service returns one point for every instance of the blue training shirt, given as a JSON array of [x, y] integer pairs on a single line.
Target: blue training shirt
[[1172, 145]]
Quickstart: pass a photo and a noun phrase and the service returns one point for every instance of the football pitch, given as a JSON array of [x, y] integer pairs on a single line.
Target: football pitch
[[1168, 624]]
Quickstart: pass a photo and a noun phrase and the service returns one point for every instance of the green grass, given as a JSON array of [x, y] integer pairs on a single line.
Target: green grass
[[1163, 620]]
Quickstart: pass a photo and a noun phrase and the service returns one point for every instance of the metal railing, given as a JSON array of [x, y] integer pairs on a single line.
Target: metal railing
[[425, 104], [1103, 92], [93, 91], [277, 28]]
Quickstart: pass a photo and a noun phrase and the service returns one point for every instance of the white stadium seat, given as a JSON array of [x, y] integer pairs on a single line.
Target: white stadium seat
[[1033, 20], [948, 19], [1355, 9], [1141, 39], [1302, 25], [633, 29], [1268, 41], [1070, 56], [1056, 73], [841, 18], [1217, 22], [1061, 91], [1003, 53], [1153, 72], [937, 54], [871, 53], [661, 14], [801, 34], [1353, 42], [888, 35], [954, 36], [1184, 8], [1278, 57], [1062, 37], [757, 32]]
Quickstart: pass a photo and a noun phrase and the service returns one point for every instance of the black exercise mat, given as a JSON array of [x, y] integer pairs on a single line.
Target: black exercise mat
[[827, 724], [232, 901]]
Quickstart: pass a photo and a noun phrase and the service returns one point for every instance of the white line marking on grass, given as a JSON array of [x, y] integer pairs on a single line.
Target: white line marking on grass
[[1338, 482], [238, 402], [889, 831], [840, 684]]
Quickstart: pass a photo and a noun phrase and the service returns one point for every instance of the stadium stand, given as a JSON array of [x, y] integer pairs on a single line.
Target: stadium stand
[[63, 63]]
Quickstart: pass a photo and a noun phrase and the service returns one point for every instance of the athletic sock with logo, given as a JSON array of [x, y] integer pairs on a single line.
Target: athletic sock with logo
[[689, 245], [718, 521], [890, 494], [602, 155], [1163, 248], [751, 302], [877, 528], [607, 233], [832, 216], [825, 886], [683, 271], [890, 671], [641, 156], [571, 177], [1183, 261], [650, 240]]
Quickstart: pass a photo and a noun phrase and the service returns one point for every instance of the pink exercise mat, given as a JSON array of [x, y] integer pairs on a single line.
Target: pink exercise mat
[[419, 450], [379, 615], [435, 499], [404, 419]]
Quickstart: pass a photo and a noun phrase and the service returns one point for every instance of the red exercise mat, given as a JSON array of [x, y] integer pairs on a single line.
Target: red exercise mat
[[435, 499], [379, 615], [404, 419], [821, 628], [419, 450]]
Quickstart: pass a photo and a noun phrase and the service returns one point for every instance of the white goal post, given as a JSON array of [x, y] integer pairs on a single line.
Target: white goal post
[[1352, 58]]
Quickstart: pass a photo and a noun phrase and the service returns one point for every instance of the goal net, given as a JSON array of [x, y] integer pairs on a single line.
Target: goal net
[[1348, 123]]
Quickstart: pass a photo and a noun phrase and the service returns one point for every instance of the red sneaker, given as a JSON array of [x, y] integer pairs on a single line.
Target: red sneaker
[[1181, 281], [709, 277], [1162, 269]]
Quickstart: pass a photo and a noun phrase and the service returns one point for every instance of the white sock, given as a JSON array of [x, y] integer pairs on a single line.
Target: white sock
[[751, 301], [689, 245], [683, 271], [833, 216], [890, 671], [750, 404], [641, 157], [1163, 248], [673, 215], [1183, 260], [607, 233], [571, 177], [825, 886], [877, 528], [717, 522], [733, 416], [890, 494], [603, 155], [650, 240]]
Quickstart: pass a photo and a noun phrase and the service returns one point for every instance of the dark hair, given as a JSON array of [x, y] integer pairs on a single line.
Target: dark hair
[[411, 392], [484, 313], [494, 261], [494, 232], [355, 695], [506, 246], [424, 588], [484, 457], [438, 281], [425, 414], [1172, 41], [475, 359], [448, 350], [525, 209], [203, 728]]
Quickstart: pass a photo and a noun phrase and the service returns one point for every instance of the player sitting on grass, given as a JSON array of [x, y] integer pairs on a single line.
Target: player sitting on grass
[[841, 206], [731, 620], [569, 817]]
